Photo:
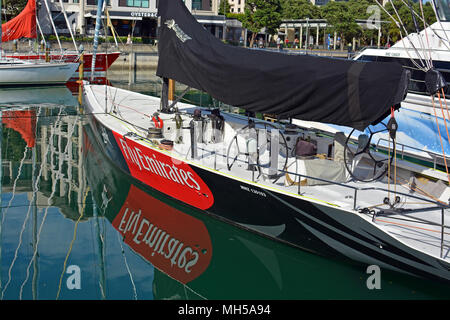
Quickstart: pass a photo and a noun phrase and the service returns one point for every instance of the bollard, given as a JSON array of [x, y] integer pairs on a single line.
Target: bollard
[[47, 53]]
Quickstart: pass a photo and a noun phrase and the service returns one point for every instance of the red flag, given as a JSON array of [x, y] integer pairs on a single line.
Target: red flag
[[22, 26]]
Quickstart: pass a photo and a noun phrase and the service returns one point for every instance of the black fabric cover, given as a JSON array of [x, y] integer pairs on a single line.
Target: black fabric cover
[[337, 91]]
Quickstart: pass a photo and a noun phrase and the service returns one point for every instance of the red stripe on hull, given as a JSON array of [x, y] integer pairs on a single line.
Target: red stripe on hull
[[166, 174]]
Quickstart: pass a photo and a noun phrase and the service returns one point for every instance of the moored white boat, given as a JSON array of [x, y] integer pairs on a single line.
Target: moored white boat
[[23, 72], [19, 72]]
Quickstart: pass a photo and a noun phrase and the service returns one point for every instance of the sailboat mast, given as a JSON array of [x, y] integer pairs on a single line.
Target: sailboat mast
[[53, 24], [98, 22], [0, 29], [68, 24]]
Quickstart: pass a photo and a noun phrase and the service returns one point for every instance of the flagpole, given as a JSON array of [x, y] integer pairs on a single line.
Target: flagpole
[[53, 25]]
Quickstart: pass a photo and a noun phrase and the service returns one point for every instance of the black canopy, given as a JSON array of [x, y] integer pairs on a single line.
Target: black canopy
[[338, 91]]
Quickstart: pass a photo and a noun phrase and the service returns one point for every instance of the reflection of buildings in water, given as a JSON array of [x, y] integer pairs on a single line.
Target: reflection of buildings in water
[[58, 150]]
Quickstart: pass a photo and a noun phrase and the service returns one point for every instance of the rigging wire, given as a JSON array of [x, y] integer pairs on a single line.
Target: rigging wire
[[54, 27], [25, 153], [13, 191], [35, 189], [119, 239], [426, 34], [426, 63], [72, 242], [444, 41], [439, 19], [440, 138], [419, 36], [399, 25], [55, 181]]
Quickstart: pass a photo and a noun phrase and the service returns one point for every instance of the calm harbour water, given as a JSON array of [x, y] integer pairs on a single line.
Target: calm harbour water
[[64, 207]]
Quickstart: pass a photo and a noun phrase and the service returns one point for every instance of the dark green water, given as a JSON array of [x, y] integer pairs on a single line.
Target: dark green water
[[63, 207]]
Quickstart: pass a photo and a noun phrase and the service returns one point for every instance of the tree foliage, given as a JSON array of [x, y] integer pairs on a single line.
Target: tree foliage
[[13, 7], [261, 14], [341, 20], [299, 9], [224, 7], [406, 16], [341, 16]]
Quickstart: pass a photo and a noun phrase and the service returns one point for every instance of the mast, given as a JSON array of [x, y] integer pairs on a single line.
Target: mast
[[53, 24], [101, 249], [34, 286], [40, 31], [68, 25], [0, 29], [98, 22], [1, 170]]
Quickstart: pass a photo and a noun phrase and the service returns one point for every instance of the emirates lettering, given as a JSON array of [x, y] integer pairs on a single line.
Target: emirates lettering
[[153, 165], [159, 241]]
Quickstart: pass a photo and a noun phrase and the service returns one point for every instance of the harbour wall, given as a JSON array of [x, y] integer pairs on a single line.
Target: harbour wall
[[145, 56]]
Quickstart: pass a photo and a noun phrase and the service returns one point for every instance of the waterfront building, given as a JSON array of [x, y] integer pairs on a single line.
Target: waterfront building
[[136, 17], [55, 164], [237, 6]]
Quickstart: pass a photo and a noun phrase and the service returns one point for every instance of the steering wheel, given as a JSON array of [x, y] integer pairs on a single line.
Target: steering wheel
[[376, 167], [262, 147]]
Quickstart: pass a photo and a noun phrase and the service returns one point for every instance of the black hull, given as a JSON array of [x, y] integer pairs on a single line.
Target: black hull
[[309, 225]]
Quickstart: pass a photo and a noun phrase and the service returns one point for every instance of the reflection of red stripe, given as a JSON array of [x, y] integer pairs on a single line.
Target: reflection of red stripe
[[174, 242], [164, 173], [102, 62]]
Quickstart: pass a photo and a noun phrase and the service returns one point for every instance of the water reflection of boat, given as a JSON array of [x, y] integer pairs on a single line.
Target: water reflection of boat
[[24, 25], [22, 121], [50, 95], [197, 256]]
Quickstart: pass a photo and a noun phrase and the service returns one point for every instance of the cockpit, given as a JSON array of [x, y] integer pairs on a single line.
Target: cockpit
[[443, 9]]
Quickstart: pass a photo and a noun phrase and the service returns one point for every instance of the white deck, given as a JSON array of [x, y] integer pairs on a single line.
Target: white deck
[[134, 112]]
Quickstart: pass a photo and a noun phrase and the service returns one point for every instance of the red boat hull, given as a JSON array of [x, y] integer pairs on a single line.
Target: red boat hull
[[102, 63]]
